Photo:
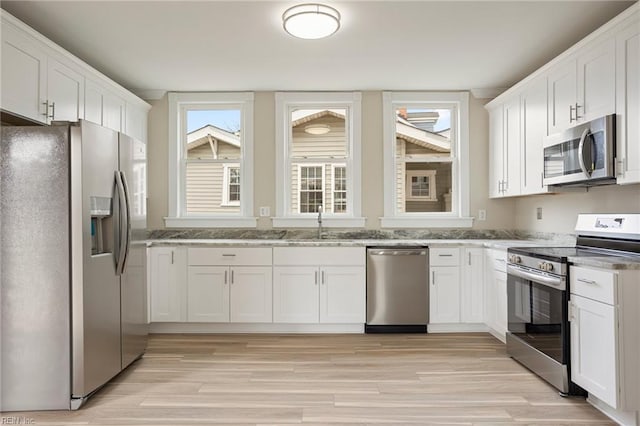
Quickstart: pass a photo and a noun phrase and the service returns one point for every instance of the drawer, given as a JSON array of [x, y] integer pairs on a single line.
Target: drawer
[[324, 256], [212, 256], [441, 256], [595, 284]]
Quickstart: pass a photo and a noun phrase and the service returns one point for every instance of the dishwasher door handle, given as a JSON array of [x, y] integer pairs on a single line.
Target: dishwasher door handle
[[392, 252]]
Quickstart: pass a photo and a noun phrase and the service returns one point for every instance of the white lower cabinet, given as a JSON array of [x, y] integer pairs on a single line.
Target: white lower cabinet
[[603, 310], [208, 294], [593, 349], [495, 292], [296, 298], [456, 291], [472, 286], [330, 293], [167, 284], [220, 292], [444, 295]]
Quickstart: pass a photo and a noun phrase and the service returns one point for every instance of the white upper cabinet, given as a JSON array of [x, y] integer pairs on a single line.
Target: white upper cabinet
[[65, 93], [582, 88], [505, 149], [496, 153], [533, 128], [597, 81], [562, 92], [24, 76], [44, 83], [628, 101]]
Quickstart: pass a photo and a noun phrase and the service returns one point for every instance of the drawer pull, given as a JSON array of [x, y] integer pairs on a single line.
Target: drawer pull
[[586, 281], [228, 255], [445, 255]]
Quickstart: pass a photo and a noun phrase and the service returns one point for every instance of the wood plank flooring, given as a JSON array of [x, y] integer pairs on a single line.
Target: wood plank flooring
[[265, 379]]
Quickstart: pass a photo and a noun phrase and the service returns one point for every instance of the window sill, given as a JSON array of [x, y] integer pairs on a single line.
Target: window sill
[[426, 222], [210, 222], [312, 222]]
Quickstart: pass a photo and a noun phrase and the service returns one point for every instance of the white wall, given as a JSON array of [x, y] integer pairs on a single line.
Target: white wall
[[559, 210]]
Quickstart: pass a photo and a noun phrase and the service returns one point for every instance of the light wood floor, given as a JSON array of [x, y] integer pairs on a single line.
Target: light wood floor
[[443, 379]]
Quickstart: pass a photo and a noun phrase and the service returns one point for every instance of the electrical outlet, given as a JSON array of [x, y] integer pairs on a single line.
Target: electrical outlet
[[482, 214], [265, 211], [539, 213]]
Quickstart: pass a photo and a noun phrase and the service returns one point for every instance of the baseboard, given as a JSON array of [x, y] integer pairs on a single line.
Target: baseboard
[[457, 328], [188, 327], [624, 418], [497, 334]]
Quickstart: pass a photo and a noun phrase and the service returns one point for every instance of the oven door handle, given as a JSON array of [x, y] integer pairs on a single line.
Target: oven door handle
[[555, 282]]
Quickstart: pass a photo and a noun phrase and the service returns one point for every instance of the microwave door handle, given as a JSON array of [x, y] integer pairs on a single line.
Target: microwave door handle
[[581, 151]]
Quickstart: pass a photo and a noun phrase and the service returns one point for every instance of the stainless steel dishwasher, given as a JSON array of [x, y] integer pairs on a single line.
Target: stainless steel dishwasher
[[397, 290]]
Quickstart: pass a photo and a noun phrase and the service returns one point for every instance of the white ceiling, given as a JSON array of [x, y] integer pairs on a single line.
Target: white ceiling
[[240, 45]]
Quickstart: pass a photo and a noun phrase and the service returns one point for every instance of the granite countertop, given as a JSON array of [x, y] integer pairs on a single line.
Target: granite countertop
[[497, 244], [607, 262]]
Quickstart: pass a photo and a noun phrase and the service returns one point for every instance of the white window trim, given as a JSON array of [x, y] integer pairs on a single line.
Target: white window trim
[[324, 184], [333, 186], [459, 217], [285, 101], [225, 185], [178, 103], [431, 174]]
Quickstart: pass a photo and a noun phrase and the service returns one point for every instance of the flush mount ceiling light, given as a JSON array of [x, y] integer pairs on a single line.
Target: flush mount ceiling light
[[311, 21], [317, 129]]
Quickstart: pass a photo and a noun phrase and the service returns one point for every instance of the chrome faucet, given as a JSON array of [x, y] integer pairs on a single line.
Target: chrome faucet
[[319, 222]]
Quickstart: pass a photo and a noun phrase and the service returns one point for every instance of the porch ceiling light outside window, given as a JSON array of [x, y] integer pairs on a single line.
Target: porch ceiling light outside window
[[317, 129], [311, 21]]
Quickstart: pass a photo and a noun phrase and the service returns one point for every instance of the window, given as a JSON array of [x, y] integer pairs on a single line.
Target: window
[[318, 159], [426, 160], [339, 189], [210, 154], [310, 188], [421, 185], [231, 188]]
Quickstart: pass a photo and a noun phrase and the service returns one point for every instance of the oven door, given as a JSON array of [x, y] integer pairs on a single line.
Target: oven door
[[537, 311]]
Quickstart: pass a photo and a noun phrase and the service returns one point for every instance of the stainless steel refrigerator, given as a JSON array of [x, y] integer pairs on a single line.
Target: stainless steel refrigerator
[[73, 262]]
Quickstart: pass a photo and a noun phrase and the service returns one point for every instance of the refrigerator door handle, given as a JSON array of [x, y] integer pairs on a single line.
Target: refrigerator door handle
[[122, 243], [127, 227]]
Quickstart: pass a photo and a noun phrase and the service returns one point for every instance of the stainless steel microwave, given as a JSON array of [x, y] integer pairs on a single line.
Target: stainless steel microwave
[[583, 155]]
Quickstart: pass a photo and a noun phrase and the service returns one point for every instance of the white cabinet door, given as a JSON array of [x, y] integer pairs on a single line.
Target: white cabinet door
[[472, 286], [628, 104], [93, 102], [24, 76], [208, 294], [113, 110], [496, 155], [65, 92], [533, 127], [500, 286], [597, 81], [511, 147], [342, 294], [135, 123], [296, 294], [593, 348], [444, 295], [561, 96], [251, 294], [167, 276]]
